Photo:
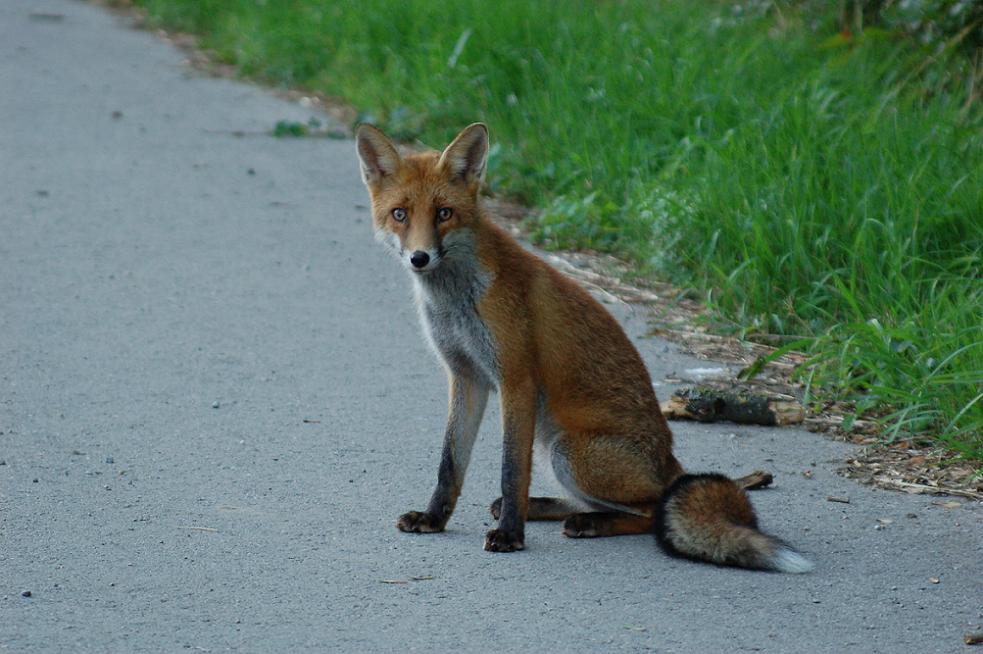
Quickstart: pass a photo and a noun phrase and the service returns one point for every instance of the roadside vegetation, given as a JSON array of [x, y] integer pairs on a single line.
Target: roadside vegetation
[[813, 169]]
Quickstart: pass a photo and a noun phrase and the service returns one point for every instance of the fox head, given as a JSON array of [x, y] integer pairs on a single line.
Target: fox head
[[424, 205]]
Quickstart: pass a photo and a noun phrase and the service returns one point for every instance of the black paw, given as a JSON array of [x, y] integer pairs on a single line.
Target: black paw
[[579, 525], [420, 523], [496, 508], [498, 540]]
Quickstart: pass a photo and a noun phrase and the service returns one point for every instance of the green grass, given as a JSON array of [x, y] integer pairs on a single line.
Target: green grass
[[805, 183]]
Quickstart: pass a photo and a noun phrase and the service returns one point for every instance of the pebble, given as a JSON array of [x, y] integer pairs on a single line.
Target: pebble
[[215, 404], [25, 593], [109, 459]]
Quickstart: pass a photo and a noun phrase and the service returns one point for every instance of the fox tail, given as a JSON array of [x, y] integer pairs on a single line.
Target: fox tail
[[707, 517]]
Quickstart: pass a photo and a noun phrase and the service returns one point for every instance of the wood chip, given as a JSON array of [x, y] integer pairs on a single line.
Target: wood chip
[[395, 582], [208, 529], [755, 480], [836, 498], [974, 638]]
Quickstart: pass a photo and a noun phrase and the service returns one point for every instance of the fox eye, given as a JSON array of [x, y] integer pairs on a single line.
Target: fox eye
[[399, 215], [444, 214]]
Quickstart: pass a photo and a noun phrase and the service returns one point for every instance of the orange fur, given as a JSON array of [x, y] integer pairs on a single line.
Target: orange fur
[[567, 373]]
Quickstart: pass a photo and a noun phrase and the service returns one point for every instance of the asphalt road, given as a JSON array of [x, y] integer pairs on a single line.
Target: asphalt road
[[214, 403]]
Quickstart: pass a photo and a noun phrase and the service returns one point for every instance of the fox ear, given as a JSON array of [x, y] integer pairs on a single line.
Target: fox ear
[[467, 154], [376, 154]]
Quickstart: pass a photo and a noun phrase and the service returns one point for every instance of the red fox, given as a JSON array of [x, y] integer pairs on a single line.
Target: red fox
[[569, 378]]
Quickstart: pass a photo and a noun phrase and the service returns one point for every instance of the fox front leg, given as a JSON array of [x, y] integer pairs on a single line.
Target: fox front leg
[[518, 427], [468, 398]]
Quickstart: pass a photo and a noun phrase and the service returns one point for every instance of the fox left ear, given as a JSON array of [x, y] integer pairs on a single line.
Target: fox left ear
[[467, 154]]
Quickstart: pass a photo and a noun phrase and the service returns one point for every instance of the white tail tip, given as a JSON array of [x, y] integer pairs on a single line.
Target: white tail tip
[[787, 560]]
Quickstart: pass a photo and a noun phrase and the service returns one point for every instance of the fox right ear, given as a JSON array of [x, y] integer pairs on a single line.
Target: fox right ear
[[376, 153]]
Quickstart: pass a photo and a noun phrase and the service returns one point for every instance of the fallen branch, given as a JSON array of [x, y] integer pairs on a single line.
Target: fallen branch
[[708, 404]]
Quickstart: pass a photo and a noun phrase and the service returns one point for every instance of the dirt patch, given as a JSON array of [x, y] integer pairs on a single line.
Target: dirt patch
[[914, 468]]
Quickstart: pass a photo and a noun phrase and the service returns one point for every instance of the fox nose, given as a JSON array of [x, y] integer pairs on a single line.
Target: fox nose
[[419, 259]]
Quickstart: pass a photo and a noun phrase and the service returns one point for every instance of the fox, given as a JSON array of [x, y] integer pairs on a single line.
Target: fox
[[571, 384]]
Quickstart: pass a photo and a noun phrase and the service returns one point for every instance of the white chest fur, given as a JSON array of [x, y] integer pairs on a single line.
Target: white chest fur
[[448, 301]]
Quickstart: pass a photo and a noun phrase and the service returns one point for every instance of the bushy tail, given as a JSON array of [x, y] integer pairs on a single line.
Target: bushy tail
[[709, 518]]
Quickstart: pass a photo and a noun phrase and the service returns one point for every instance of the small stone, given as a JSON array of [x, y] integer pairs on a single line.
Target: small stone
[[251, 171], [215, 404], [25, 593], [35, 480], [117, 114], [109, 459]]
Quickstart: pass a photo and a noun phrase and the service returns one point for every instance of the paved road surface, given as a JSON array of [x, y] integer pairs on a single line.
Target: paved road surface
[[214, 403]]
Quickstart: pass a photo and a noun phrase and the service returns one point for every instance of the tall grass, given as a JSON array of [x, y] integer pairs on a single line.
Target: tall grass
[[805, 182]]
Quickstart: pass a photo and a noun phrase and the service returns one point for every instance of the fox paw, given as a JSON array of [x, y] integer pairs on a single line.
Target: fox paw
[[498, 540], [419, 523], [579, 526], [496, 508]]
